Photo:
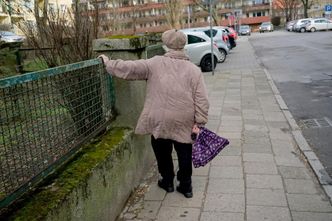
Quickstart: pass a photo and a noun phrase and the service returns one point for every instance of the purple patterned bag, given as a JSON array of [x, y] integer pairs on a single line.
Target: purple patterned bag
[[207, 145]]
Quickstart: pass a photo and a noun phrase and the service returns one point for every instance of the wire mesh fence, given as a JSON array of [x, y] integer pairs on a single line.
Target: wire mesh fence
[[45, 116]]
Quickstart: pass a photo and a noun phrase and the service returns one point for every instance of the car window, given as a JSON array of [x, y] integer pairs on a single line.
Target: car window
[[7, 33], [194, 39], [214, 32]]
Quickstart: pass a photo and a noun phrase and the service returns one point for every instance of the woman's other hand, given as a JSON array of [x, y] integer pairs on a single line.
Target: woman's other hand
[[195, 129]]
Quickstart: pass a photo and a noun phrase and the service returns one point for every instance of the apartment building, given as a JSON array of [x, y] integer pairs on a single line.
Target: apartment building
[[14, 11], [141, 16]]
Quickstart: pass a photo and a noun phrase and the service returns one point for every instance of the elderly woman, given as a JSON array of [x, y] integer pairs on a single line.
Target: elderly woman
[[176, 102]]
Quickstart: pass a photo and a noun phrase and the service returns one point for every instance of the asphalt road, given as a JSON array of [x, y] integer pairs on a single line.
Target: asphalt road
[[301, 67]]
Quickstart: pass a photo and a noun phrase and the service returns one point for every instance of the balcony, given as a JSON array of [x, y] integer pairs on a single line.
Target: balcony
[[256, 7], [3, 14]]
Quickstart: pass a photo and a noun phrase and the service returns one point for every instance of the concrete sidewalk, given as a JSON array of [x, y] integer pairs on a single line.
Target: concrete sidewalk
[[261, 175]]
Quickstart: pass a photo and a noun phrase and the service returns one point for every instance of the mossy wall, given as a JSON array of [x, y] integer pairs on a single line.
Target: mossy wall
[[95, 185]]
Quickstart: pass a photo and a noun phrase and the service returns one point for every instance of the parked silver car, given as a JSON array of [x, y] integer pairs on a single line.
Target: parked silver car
[[244, 30], [198, 49], [318, 24], [300, 24], [9, 37], [266, 26], [218, 38], [289, 25]]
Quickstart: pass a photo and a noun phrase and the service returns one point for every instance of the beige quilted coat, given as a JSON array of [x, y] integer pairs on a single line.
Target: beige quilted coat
[[176, 97]]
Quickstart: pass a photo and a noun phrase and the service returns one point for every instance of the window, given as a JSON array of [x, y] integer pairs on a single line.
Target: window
[[63, 8], [51, 7], [214, 32], [194, 39]]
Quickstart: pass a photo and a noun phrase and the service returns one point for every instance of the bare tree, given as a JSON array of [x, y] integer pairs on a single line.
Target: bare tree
[[174, 13], [306, 5], [64, 37], [67, 35], [290, 8], [205, 6]]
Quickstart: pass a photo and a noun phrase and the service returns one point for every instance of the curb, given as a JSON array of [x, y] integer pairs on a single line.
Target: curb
[[318, 168]]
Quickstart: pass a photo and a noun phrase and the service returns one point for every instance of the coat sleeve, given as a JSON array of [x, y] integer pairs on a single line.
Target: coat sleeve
[[128, 70], [201, 102]]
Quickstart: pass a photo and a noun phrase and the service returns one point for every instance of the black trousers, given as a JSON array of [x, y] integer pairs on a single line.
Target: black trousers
[[163, 151]]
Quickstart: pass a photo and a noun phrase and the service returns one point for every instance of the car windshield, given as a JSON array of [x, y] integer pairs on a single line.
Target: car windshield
[[7, 33], [265, 24], [245, 27]]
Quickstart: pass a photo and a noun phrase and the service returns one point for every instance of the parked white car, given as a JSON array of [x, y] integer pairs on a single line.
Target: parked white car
[[198, 49], [318, 24]]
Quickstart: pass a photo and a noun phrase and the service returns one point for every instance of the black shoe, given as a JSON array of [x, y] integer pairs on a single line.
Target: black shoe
[[168, 187], [187, 192]]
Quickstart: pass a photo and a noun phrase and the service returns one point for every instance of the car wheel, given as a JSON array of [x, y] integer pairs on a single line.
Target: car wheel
[[302, 30], [312, 29], [223, 55], [206, 63]]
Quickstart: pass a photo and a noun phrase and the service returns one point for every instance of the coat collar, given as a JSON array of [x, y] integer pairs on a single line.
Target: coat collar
[[176, 54]]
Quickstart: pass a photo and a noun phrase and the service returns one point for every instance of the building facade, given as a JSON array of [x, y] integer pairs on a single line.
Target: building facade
[[12, 12], [142, 16]]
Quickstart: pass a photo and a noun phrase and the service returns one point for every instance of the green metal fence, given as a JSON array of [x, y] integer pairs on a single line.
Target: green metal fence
[[44, 117]]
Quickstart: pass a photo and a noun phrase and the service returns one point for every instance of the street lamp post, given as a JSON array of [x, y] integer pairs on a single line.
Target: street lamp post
[[211, 36]]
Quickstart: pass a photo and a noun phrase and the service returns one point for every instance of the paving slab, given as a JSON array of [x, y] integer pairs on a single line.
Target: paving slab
[[304, 186], [258, 157], [264, 181], [308, 203], [224, 202], [266, 197], [217, 185], [294, 172], [221, 216], [260, 168], [178, 213], [311, 216], [226, 172], [265, 213], [223, 160]]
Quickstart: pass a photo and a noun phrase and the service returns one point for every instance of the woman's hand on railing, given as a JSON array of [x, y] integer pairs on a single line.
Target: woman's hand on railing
[[104, 58]]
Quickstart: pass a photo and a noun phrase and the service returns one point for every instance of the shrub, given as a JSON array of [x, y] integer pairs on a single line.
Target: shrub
[[275, 21]]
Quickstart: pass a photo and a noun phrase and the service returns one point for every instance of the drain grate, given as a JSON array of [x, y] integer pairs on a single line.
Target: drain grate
[[316, 123]]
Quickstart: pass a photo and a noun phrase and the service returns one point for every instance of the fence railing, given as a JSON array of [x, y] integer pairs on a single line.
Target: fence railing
[[44, 117]]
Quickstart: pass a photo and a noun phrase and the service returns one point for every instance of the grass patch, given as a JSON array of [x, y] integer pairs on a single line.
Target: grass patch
[[122, 37], [34, 65]]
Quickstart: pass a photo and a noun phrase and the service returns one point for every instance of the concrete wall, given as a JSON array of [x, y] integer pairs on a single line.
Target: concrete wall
[[106, 191]]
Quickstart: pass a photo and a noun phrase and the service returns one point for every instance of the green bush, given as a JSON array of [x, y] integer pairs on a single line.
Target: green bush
[[275, 21]]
